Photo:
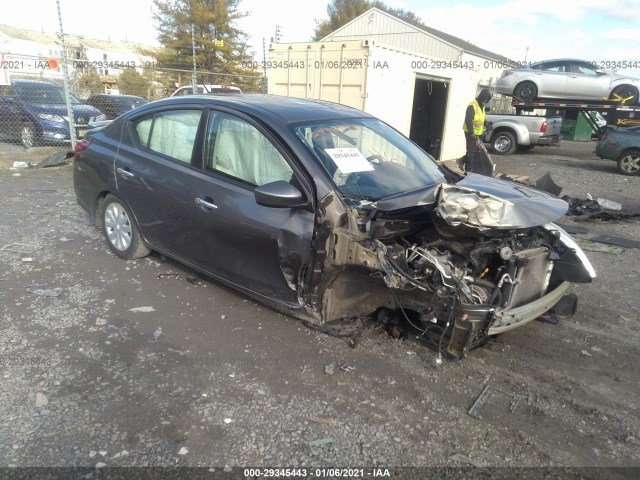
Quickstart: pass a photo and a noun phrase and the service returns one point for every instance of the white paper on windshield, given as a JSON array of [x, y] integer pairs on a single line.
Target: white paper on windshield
[[349, 160]]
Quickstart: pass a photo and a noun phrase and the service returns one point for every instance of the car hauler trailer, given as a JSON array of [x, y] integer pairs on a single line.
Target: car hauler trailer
[[614, 112]]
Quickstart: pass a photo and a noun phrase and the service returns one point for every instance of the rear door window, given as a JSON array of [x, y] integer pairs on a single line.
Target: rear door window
[[171, 133]]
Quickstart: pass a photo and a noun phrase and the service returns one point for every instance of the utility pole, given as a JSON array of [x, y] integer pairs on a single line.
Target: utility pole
[[65, 74], [264, 66], [194, 78]]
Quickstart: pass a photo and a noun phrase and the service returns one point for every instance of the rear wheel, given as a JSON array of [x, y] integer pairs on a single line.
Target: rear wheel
[[526, 91], [503, 143], [623, 92], [120, 230], [629, 162]]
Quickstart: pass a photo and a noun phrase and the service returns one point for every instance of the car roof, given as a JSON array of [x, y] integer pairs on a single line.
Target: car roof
[[561, 60], [289, 109]]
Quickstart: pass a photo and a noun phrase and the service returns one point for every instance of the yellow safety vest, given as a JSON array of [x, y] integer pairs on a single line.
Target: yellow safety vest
[[478, 118]]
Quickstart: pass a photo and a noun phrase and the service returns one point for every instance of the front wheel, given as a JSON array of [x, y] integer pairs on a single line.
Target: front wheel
[[120, 230], [629, 163], [625, 94], [503, 143]]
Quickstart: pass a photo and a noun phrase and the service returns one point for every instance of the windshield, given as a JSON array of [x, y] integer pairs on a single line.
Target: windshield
[[367, 159], [42, 93]]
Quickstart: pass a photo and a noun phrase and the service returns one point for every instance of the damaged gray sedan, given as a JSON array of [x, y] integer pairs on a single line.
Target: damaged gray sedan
[[329, 214]]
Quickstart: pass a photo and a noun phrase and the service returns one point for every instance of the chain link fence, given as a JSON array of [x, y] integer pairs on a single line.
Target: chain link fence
[[34, 118]]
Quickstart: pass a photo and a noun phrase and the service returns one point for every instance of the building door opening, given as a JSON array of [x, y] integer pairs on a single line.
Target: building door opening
[[428, 114]]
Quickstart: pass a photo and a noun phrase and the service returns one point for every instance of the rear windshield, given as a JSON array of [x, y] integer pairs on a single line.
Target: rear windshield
[[224, 90]]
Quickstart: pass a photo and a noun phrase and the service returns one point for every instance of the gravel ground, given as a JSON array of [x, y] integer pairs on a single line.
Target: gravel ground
[[123, 368]]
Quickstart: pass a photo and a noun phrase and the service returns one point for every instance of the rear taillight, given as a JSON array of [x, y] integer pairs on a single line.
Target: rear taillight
[[604, 135], [81, 145], [506, 73], [543, 127]]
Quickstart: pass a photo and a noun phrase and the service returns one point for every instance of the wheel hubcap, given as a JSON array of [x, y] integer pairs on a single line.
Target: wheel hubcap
[[27, 137], [631, 163], [502, 144], [526, 93], [118, 227]]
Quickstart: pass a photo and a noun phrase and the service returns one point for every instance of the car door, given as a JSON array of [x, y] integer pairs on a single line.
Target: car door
[[261, 248], [584, 82], [153, 169], [552, 79]]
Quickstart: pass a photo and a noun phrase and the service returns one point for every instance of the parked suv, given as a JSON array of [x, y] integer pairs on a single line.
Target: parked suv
[[35, 112]]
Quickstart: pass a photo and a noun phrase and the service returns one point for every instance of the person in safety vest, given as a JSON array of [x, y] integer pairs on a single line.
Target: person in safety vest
[[474, 127]]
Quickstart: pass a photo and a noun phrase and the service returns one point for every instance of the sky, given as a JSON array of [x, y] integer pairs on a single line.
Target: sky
[[594, 30]]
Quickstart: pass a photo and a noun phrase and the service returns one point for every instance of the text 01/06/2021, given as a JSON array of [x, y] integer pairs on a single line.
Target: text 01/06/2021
[[301, 64]]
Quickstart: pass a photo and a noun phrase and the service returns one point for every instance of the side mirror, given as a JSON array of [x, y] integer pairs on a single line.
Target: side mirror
[[279, 194], [600, 71]]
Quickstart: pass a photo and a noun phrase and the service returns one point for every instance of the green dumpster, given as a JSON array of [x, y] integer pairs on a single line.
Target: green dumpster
[[575, 127]]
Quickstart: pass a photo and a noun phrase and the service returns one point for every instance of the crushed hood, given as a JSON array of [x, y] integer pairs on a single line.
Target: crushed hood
[[480, 202], [484, 202]]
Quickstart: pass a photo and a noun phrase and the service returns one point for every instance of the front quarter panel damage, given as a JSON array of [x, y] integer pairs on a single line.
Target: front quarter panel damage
[[464, 267]]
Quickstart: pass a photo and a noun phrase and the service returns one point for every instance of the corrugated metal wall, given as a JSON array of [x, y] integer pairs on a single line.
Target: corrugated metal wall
[[332, 71]]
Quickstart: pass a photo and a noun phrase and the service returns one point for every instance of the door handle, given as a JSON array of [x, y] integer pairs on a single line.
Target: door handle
[[124, 173], [203, 203]]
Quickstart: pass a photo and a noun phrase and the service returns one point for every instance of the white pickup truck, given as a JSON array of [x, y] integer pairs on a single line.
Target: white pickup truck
[[506, 133]]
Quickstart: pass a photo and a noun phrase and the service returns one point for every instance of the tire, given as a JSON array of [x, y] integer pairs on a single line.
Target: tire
[[503, 143], [120, 230], [28, 135], [624, 91], [629, 162], [525, 148], [526, 91]]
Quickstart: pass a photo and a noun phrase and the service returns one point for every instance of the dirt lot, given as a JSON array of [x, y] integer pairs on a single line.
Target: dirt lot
[[124, 368]]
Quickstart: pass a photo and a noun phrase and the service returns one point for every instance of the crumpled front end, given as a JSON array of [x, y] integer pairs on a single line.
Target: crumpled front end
[[460, 265], [467, 289]]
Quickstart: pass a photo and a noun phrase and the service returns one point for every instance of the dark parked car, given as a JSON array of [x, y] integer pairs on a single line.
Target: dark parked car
[[623, 146], [115, 105], [35, 112], [327, 213]]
